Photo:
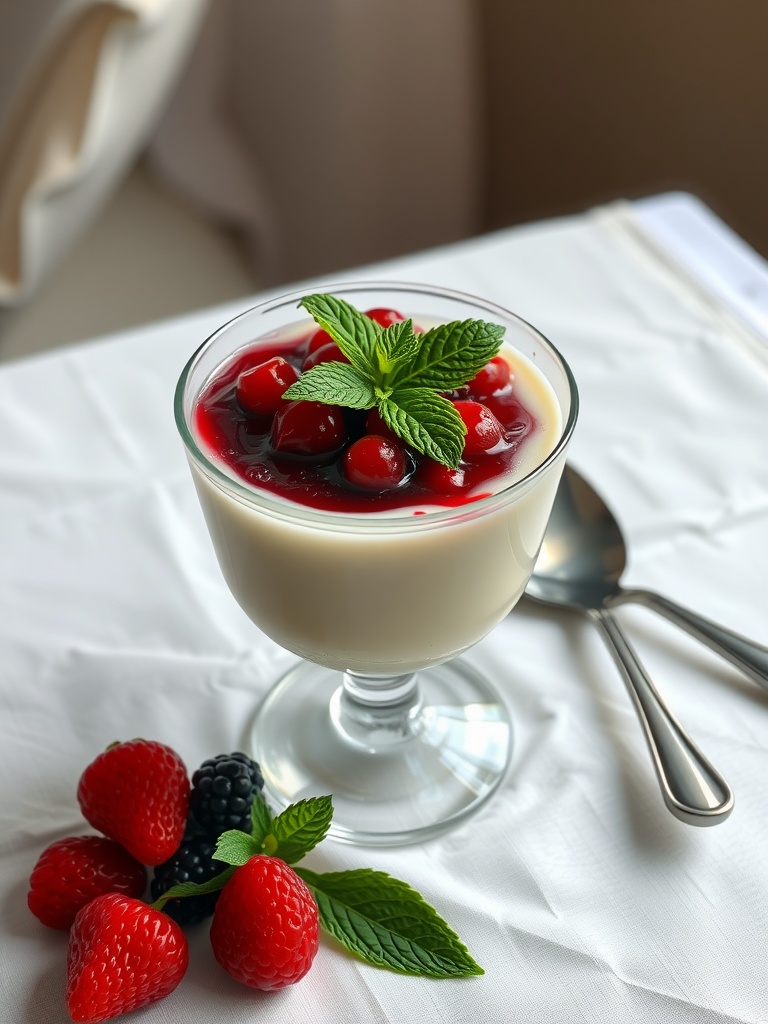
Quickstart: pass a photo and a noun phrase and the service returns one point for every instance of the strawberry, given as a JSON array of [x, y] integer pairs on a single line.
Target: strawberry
[[122, 955], [137, 793], [265, 926], [74, 871]]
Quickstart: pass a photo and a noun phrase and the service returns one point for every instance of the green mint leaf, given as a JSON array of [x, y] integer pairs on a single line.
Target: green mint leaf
[[184, 889], [353, 331], [261, 819], [427, 422], [387, 923], [450, 355], [334, 384], [236, 847], [301, 827], [396, 344]]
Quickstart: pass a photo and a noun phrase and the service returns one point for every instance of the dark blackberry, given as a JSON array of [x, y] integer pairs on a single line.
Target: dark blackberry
[[192, 862], [223, 789]]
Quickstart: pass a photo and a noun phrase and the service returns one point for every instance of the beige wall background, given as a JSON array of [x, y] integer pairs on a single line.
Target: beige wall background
[[601, 99]]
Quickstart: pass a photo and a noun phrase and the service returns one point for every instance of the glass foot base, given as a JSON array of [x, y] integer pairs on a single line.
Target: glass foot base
[[393, 781]]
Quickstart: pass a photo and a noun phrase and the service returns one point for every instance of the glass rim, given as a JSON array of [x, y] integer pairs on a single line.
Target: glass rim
[[286, 510]]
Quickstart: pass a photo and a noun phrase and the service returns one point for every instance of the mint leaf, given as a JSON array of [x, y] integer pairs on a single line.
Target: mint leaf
[[450, 355], [194, 888], [426, 421], [334, 384], [261, 819], [236, 847], [396, 344], [301, 827], [388, 924], [353, 331]]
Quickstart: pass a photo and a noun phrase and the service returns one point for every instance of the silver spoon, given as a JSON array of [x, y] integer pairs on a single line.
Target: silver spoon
[[580, 565]]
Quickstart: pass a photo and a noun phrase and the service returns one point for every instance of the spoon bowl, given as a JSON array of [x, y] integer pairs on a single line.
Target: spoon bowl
[[581, 563], [583, 555]]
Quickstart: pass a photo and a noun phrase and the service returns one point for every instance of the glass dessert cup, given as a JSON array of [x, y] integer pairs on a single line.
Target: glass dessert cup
[[382, 713]]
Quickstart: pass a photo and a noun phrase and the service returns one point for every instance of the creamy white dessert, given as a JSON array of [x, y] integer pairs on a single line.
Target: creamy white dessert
[[391, 592]]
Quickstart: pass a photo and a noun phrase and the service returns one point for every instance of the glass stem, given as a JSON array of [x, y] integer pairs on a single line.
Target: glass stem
[[377, 711]]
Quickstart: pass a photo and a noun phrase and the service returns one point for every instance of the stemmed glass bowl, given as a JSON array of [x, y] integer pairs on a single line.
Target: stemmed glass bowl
[[381, 712]]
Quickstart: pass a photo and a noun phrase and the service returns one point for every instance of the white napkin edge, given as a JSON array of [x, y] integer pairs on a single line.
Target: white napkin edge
[[704, 262]]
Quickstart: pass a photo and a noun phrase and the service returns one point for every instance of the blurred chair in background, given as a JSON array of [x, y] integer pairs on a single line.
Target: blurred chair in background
[[277, 141], [82, 84]]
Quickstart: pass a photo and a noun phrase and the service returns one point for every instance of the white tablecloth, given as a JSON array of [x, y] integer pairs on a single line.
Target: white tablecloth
[[574, 887]]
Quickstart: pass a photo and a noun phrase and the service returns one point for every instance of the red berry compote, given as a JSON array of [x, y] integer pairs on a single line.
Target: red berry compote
[[348, 461], [340, 541]]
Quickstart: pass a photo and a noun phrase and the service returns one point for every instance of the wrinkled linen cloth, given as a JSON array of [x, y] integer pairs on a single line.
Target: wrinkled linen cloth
[[574, 887]]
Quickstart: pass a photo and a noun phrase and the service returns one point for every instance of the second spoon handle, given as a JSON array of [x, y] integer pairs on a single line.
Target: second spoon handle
[[693, 790], [750, 657]]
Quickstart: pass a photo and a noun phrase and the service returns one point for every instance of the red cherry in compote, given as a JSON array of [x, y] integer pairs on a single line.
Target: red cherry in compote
[[325, 354], [515, 419], [484, 431], [308, 428], [260, 390], [318, 339], [385, 317], [494, 376], [375, 463], [439, 478]]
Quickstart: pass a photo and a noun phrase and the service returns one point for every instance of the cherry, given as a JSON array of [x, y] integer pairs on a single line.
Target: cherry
[[318, 339], [513, 417], [441, 479], [375, 463], [385, 317], [494, 376], [260, 389], [484, 432], [308, 428], [324, 354]]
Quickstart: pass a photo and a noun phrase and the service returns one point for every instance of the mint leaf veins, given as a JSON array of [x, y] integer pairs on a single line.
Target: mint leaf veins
[[399, 372], [387, 923]]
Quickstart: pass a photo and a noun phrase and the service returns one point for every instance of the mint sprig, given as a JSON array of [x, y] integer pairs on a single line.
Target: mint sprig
[[399, 372], [289, 836], [378, 918], [387, 923]]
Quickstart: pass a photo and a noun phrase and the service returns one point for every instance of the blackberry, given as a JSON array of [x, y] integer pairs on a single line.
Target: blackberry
[[192, 862], [223, 789]]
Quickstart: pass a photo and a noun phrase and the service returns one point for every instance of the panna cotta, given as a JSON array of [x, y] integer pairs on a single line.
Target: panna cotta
[[360, 554]]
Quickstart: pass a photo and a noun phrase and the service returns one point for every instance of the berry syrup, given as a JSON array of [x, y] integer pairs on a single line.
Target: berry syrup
[[242, 441]]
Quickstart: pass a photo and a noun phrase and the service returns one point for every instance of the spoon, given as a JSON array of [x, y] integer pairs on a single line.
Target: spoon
[[579, 566]]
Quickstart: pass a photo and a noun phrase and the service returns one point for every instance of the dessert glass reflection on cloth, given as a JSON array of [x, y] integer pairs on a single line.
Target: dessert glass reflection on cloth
[[381, 713]]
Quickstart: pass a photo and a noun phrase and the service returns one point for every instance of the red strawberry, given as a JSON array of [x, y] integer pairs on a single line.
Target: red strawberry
[[74, 871], [122, 955], [265, 926], [137, 793]]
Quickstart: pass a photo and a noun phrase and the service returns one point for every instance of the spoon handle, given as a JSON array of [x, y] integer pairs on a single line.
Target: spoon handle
[[750, 657], [692, 789]]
